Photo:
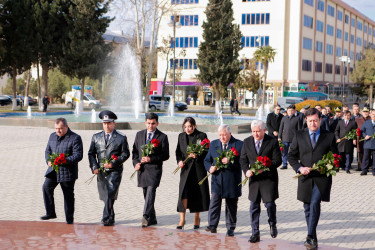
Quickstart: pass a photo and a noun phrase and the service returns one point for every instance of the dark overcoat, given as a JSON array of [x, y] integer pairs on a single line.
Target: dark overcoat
[[345, 146], [333, 123], [108, 181], [225, 181], [288, 127], [267, 182], [368, 129], [70, 144], [192, 172], [301, 154], [150, 173], [360, 121], [273, 123]]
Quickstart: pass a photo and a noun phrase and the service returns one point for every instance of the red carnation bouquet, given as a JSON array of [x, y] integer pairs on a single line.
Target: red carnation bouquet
[[262, 163], [327, 166], [57, 160], [196, 149], [102, 168], [147, 150], [281, 145], [359, 132], [229, 154]]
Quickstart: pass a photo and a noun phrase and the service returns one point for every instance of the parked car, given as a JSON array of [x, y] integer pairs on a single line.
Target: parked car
[[155, 103], [32, 101], [18, 99], [284, 102], [88, 100], [5, 100]]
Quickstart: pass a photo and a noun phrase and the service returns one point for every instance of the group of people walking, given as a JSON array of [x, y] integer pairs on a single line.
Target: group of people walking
[[109, 149]]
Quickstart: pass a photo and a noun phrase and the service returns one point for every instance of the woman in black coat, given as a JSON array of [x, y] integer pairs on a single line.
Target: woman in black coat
[[191, 195]]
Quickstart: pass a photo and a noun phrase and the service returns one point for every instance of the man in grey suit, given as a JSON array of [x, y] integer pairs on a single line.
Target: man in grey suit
[[104, 145], [150, 167], [368, 129]]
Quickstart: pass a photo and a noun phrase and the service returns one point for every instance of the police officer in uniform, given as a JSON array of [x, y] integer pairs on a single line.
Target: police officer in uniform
[[108, 151]]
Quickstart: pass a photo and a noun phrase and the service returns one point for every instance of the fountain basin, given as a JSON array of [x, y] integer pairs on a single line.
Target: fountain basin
[[206, 123]]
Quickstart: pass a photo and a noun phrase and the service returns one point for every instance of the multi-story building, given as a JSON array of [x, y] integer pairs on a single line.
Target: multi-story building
[[314, 41]]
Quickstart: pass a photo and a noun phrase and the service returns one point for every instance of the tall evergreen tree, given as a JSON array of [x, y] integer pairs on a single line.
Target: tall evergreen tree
[[218, 54], [85, 51]]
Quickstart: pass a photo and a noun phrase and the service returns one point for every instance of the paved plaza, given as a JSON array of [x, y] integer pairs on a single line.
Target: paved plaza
[[348, 221]]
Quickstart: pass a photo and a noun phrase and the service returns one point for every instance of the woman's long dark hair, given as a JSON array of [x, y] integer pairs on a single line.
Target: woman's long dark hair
[[189, 119]]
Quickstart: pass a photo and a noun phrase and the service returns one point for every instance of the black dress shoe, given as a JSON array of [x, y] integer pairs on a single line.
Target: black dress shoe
[[273, 231], [48, 217], [358, 169], [69, 222], [284, 167], [364, 173], [348, 171], [311, 243], [254, 238], [152, 222], [196, 227], [211, 229], [230, 232], [109, 223], [181, 227]]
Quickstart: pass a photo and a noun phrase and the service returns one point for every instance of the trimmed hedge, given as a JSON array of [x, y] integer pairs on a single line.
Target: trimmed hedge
[[323, 103]]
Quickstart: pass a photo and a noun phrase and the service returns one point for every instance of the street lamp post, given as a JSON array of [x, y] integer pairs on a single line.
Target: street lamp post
[[260, 79], [344, 59], [173, 23]]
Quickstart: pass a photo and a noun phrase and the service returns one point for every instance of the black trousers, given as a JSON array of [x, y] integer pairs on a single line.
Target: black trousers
[[215, 211], [255, 214], [149, 194], [366, 160], [44, 107], [108, 211], [49, 202]]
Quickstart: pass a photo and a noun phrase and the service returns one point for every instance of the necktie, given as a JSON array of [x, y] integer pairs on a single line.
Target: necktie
[[106, 138], [346, 123], [148, 137], [224, 146], [257, 146], [313, 140]]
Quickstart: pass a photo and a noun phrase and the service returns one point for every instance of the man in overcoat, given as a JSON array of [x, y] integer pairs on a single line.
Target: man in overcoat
[[67, 142], [308, 147], [265, 185], [346, 147], [273, 122], [368, 129], [108, 169], [333, 121], [149, 168], [224, 182], [360, 121]]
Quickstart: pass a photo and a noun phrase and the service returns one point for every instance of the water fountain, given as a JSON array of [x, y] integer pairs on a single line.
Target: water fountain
[[262, 114], [93, 116], [126, 89], [171, 108], [29, 112], [219, 113], [77, 111]]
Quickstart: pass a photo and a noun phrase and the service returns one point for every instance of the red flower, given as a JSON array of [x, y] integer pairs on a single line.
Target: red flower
[[155, 142], [359, 132], [62, 158], [337, 163], [266, 161], [234, 150], [114, 157], [207, 142], [281, 149], [57, 161], [260, 158]]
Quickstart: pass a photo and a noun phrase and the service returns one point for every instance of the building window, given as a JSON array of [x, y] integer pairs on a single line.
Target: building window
[[184, 1], [345, 52], [307, 43], [359, 41], [346, 36], [351, 55], [251, 41], [364, 44], [331, 10], [329, 49], [339, 15], [306, 65], [369, 31], [318, 46], [185, 42], [319, 26], [338, 51], [320, 5], [337, 69], [330, 30], [184, 63], [309, 2], [308, 21], [347, 19], [351, 38], [338, 33], [257, 65], [366, 29], [262, 18], [318, 67], [359, 25], [187, 20], [328, 68], [353, 22]]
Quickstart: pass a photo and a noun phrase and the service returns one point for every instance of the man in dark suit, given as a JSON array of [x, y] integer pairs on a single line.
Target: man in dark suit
[[346, 147], [150, 167], [288, 127], [308, 147], [333, 121], [66, 142], [103, 145], [360, 121], [329, 111], [368, 129], [265, 185], [325, 119], [273, 122], [224, 182]]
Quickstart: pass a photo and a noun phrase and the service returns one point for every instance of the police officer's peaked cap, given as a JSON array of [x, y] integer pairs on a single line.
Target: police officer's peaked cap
[[107, 116], [306, 107], [338, 109], [365, 109]]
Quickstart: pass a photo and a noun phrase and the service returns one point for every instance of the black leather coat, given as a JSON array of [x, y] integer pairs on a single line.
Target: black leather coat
[[109, 181]]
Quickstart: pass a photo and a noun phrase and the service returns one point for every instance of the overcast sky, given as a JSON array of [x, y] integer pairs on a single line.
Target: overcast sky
[[366, 7]]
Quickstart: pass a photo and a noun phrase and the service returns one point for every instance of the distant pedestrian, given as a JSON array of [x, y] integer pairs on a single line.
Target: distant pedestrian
[[273, 122], [45, 103], [231, 104], [235, 107]]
